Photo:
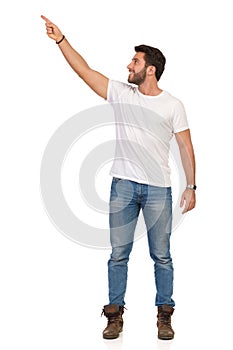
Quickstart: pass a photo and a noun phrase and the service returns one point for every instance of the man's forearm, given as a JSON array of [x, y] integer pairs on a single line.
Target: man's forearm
[[75, 60], [189, 164], [187, 155]]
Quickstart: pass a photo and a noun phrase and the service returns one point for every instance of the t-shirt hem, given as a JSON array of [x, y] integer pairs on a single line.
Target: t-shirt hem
[[140, 181], [108, 90], [181, 129]]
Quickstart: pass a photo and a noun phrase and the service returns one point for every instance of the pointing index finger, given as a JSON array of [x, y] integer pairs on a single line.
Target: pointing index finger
[[46, 19]]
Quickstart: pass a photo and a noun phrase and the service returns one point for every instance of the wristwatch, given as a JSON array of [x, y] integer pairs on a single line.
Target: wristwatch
[[191, 187]]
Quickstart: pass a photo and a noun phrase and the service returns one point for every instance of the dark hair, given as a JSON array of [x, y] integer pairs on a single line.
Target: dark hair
[[153, 57]]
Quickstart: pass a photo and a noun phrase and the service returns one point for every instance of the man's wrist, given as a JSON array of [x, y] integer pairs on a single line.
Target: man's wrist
[[191, 187], [60, 39]]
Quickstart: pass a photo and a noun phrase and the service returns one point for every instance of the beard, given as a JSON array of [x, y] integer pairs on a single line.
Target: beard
[[137, 78]]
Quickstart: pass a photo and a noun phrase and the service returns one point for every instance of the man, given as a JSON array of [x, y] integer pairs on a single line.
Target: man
[[146, 119]]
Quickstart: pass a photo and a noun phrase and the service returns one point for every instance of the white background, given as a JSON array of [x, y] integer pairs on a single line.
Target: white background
[[52, 289]]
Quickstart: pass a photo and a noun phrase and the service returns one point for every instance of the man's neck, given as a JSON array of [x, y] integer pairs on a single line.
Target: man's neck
[[149, 89]]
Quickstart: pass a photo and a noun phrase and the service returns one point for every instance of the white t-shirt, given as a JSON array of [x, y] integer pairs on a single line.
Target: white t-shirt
[[144, 127]]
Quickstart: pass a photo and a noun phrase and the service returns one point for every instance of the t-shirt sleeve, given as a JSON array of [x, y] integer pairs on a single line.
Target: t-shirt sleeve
[[115, 89], [179, 118]]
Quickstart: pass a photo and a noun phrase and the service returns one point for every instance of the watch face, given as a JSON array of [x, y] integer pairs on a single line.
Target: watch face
[[192, 187]]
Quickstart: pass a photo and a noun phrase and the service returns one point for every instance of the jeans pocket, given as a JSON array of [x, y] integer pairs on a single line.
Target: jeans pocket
[[116, 179]]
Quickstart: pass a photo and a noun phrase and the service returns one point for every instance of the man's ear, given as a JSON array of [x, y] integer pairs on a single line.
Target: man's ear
[[151, 70]]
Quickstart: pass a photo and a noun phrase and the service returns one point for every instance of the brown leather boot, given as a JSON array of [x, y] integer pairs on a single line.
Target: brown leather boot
[[115, 321], [165, 331]]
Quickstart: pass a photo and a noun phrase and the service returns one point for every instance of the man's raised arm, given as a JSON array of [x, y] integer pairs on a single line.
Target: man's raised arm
[[95, 80]]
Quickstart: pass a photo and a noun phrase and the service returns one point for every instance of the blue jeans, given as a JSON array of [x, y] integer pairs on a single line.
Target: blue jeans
[[126, 200]]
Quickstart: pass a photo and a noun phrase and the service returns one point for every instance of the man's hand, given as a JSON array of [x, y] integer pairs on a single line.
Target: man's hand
[[189, 199], [53, 31]]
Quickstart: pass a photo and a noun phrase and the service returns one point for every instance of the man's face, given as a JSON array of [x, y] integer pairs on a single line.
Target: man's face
[[137, 69]]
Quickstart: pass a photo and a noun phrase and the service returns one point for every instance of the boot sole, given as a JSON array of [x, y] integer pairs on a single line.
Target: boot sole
[[166, 338], [112, 337]]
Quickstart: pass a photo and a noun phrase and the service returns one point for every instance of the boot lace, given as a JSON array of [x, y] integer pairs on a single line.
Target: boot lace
[[165, 318]]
